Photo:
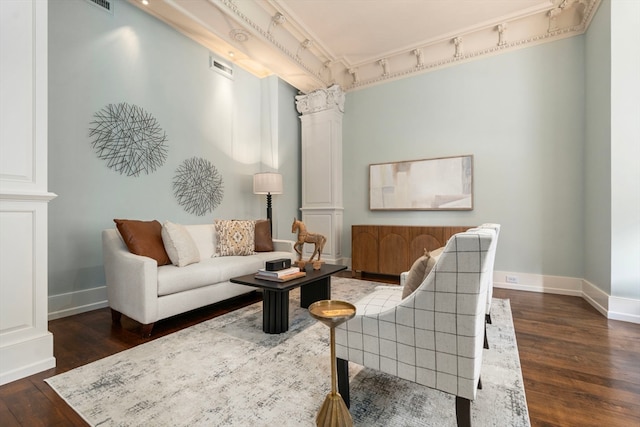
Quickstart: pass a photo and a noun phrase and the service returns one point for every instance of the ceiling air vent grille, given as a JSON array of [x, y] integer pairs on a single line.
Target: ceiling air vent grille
[[221, 67], [106, 5]]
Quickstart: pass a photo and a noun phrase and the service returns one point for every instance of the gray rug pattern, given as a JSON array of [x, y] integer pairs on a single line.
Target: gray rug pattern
[[227, 372]]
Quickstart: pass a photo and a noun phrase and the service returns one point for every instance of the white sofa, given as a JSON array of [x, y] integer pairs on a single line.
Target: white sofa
[[139, 289]]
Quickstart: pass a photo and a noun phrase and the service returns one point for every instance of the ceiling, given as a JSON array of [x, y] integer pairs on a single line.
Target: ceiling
[[315, 44]]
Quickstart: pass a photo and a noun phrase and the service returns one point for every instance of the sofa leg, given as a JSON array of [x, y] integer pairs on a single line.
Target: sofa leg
[[463, 412], [342, 367], [115, 317], [145, 330], [479, 383]]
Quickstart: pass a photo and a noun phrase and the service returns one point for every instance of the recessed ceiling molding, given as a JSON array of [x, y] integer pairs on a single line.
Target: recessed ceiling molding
[[354, 73], [229, 6], [278, 19], [385, 67], [458, 43], [419, 58], [299, 55], [502, 29], [239, 35]]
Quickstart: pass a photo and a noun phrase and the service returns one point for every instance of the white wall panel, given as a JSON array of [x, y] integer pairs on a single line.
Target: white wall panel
[[26, 345], [16, 85], [17, 279]]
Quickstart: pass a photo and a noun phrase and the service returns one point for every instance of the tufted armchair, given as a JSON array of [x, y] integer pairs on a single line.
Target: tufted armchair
[[433, 337]]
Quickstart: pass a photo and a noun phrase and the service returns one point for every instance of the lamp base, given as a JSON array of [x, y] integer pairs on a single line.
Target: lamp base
[[334, 412], [269, 214]]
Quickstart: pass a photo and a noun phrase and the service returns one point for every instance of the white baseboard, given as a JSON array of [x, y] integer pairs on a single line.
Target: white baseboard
[[625, 309], [615, 308], [71, 303], [537, 283], [26, 357], [595, 296]]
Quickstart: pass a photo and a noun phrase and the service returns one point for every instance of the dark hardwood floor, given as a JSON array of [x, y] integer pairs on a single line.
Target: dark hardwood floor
[[579, 368]]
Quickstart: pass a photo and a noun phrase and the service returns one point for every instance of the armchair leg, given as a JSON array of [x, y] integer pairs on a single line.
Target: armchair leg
[[463, 412], [486, 341], [343, 380]]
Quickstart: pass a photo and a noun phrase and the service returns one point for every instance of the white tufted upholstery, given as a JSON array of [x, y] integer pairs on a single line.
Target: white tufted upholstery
[[434, 336]]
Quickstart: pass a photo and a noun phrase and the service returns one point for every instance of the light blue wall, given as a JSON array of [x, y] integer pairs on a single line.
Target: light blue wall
[[96, 59], [286, 206], [597, 159], [520, 114]]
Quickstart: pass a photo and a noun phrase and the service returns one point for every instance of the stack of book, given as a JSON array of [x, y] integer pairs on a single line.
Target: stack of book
[[280, 275]]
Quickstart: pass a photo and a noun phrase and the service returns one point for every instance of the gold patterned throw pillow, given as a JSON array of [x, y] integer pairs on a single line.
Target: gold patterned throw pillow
[[235, 237]]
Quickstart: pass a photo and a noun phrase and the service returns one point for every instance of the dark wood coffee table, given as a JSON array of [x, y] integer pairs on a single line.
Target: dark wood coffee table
[[315, 286]]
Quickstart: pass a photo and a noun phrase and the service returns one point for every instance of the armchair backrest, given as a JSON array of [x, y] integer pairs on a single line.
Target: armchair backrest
[[448, 314], [491, 258]]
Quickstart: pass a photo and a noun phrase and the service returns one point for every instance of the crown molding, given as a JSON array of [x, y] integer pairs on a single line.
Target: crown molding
[[266, 37]]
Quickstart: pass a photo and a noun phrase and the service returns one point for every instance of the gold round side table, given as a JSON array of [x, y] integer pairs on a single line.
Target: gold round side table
[[334, 412]]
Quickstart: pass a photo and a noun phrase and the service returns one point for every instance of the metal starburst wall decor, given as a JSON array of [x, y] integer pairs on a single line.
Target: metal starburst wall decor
[[129, 139], [198, 186]]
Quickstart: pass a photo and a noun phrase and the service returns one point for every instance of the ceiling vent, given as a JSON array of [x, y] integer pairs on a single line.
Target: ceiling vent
[[106, 5], [220, 67]]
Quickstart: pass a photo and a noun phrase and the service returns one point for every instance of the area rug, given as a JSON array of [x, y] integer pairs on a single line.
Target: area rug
[[227, 372]]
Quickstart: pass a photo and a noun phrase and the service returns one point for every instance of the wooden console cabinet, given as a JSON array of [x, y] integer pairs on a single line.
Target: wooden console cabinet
[[392, 249]]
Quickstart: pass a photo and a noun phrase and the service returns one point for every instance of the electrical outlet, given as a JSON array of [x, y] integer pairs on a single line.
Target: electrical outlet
[[511, 279]]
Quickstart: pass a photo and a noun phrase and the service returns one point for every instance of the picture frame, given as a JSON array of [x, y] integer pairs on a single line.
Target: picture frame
[[437, 184]]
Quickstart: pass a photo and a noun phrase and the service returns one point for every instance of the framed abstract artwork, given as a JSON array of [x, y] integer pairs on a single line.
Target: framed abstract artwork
[[444, 183]]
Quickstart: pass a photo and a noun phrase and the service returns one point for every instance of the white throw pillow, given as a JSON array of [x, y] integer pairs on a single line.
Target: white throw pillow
[[179, 244]]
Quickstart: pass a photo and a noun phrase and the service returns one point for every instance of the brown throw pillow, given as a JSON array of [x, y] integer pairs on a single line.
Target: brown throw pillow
[[143, 238], [418, 272], [263, 242]]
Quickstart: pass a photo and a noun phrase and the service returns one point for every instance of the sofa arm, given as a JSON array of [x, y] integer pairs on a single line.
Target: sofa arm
[[132, 280], [281, 245]]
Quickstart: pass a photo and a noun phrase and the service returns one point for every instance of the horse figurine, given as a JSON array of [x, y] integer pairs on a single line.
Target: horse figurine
[[305, 237]]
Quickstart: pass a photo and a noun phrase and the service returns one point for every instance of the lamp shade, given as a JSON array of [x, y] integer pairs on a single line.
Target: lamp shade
[[267, 183]]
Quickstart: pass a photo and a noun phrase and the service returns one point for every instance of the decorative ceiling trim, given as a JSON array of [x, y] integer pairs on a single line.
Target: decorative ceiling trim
[[269, 36], [266, 32]]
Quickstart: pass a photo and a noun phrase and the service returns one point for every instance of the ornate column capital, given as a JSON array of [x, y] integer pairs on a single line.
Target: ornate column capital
[[320, 100]]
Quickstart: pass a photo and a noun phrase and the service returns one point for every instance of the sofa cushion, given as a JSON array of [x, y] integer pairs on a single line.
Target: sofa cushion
[[179, 244], [204, 236], [235, 237], [172, 279], [143, 238], [263, 240]]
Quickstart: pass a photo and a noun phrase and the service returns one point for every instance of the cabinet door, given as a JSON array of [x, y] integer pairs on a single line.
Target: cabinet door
[[393, 255], [364, 248], [421, 239], [430, 238]]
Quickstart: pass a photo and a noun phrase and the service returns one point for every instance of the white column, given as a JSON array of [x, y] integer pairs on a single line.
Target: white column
[[26, 345], [322, 205]]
